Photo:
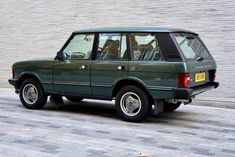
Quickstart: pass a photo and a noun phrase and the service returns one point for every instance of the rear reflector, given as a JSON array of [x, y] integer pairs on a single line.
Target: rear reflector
[[212, 75], [183, 80]]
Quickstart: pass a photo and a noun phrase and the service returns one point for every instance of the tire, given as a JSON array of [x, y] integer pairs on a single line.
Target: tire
[[132, 104], [32, 95], [170, 107], [74, 99]]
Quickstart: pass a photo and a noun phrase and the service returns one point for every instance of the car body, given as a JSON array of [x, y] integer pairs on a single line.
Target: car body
[[141, 68]]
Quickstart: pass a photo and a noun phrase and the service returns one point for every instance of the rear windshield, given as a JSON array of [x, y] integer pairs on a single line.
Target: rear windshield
[[192, 47]]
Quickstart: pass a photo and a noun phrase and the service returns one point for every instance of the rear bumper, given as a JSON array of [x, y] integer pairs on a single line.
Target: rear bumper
[[187, 93]]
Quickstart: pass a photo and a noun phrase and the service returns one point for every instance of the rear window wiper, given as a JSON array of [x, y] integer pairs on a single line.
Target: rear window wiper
[[199, 58]]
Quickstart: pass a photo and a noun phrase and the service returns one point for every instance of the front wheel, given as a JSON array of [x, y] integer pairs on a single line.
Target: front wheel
[[32, 95], [132, 104]]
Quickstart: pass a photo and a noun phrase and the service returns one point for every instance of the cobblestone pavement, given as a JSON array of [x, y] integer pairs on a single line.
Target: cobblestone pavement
[[37, 29], [92, 128]]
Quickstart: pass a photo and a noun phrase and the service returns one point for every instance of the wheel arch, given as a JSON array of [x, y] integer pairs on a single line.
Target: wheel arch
[[131, 81], [25, 76]]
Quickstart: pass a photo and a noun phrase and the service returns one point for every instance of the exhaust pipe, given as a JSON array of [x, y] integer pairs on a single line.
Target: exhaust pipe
[[185, 101]]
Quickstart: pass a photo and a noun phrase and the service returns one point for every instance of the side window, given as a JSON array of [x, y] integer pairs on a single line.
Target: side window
[[112, 46], [144, 46], [79, 47]]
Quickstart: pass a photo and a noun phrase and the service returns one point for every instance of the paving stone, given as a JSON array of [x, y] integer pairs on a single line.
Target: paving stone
[[209, 138], [162, 131], [213, 122], [47, 146], [96, 153], [36, 141], [120, 139], [54, 126], [30, 125], [52, 151], [77, 119], [231, 139], [102, 132], [168, 147], [190, 131], [9, 122], [228, 151], [4, 117], [78, 132], [133, 125], [147, 140], [202, 151], [228, 131], [21, 141]]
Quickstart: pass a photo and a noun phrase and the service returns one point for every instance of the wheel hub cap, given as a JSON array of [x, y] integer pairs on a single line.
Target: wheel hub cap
[[130, 104], [30, 94]]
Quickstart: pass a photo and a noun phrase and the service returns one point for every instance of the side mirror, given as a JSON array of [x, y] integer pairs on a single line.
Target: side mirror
[[59, 56]]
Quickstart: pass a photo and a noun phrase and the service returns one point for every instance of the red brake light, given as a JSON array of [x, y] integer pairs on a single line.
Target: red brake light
[[183, 80]]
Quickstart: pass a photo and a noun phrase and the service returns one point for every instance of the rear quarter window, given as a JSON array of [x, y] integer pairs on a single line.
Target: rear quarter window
[[168, 47]]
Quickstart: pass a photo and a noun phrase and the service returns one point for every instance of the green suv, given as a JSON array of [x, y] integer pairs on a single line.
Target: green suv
[[143, 69]]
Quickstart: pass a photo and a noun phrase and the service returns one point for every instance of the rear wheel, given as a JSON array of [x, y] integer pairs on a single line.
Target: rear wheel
[[32, 95], [170, 107], [132, 104], [74, 99]]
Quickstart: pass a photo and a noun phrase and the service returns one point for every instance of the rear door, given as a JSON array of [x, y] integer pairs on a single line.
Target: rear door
[[110, 64], [200, 63]]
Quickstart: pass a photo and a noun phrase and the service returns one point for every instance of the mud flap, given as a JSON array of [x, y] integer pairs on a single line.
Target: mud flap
[[157, 107], [56, 100]]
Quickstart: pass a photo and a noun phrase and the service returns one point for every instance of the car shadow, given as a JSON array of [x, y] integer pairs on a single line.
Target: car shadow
[[87, 107], [107, 109]]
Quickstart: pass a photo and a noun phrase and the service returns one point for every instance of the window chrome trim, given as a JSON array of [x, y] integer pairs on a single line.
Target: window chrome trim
[[72, 83], [101, 85], [159, 88]]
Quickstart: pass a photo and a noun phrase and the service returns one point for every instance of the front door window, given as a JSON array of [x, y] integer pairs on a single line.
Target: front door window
[[79, 47]]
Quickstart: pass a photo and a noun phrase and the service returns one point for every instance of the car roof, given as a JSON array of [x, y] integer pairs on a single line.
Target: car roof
[[133, 29]]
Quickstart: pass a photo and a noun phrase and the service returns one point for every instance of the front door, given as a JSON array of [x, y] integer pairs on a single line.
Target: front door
[[72, 75], [110, 64]]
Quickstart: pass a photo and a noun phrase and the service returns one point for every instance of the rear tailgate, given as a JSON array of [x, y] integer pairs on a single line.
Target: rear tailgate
[[201, 72]]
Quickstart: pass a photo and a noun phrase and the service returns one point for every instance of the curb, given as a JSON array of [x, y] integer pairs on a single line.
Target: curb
[[212, 103]]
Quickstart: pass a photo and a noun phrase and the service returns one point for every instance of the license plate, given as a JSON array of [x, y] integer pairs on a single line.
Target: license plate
[[199, 77]]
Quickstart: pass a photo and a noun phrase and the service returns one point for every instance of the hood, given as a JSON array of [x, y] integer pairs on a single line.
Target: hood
[[34, 64]]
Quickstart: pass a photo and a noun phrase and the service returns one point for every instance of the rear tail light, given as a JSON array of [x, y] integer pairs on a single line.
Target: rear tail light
[[183, 80]]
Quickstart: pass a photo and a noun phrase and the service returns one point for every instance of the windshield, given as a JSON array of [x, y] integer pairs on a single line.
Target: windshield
[[192, 47]]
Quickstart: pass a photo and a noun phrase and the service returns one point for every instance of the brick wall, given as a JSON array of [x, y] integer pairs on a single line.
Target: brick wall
[[37, 29]]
